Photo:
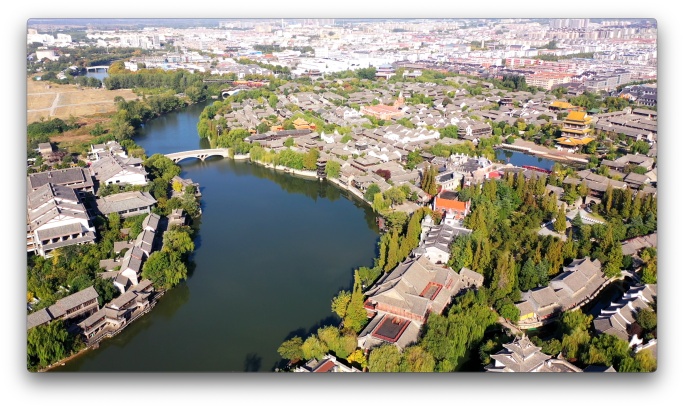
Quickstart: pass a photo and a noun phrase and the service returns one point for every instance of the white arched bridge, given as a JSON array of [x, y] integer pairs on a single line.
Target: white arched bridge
[[197, 154]]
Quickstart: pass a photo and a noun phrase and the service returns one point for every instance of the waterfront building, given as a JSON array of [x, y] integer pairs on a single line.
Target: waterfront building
[[56, 218], [72, 307]]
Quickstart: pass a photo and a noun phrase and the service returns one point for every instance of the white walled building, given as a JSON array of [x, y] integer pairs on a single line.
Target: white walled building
[[56, 218]]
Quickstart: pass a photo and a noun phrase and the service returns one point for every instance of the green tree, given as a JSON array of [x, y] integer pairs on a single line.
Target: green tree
[[449, 131], [384, 359], [332, 169], [560, 225], [392, 252], [575, 328], [313, 347], [121, 127], [371, 191], [310, 159], [164, 269], [612, 268], [292, 349], [607, 350], [647, 319], [356, 317], [48, 343], [366, 73], [340, 303], [415, 359], [395, 195], [178, 241]]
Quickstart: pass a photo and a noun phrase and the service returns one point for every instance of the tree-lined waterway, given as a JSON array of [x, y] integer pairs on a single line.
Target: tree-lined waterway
[[271, 253]]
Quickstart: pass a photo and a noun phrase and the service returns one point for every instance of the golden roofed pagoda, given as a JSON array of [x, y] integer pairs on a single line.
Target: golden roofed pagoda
[[575, 130]]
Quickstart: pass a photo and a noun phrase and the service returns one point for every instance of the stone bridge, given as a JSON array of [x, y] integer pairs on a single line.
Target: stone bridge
[[197, 154], [97, 68]]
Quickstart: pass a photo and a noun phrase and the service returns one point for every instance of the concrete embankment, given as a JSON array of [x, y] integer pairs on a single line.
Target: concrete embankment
[[303, 173], [545, 153]]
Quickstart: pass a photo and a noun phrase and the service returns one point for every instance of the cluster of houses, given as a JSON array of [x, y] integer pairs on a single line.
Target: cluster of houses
[[61, 203], [61, 207]]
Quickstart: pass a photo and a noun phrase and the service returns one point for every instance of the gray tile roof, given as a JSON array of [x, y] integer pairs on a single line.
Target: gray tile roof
[[125, 201], [37, 318], [62, 305], [109, 166], [50, 192], [403, 287], [76, 177]]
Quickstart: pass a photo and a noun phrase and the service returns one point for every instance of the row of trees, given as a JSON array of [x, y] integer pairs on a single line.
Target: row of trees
[[179, 81]]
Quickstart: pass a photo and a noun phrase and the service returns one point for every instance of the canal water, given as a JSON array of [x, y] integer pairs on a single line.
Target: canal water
[[271, 253], [522, 159]]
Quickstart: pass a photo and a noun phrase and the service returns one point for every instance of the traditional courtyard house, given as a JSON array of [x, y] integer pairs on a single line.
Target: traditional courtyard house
[[151, 222], [76, 178], [435, 240], [401, 301], [448, 201], [522, 356], [69, 308], [183, 184], [328, 364], [126, 204], [474, 130], [632, 246], [117, 170], [617, 318], [381, 111], [596, 184], [575, 130], [56, 218], [301, 124], [131, 268], [177, 217], [385, 71], [146, 241], [560, 105], [111, 148], [45, 149], [579, 282]]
